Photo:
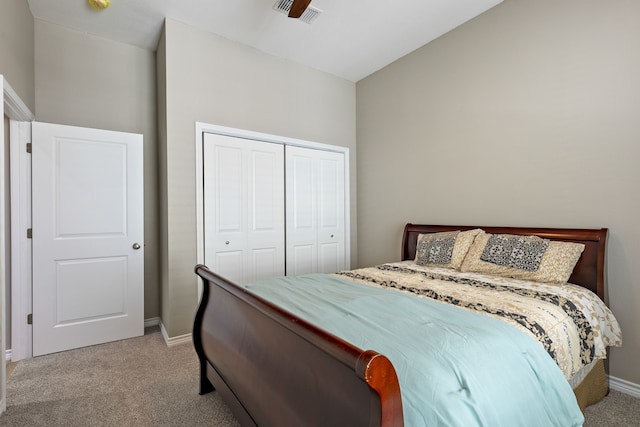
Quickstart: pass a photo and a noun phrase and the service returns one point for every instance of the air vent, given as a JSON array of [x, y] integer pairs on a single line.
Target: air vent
[[309, 15]]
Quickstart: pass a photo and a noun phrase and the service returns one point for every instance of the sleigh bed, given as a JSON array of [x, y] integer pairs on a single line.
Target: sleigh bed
[[274, 368]]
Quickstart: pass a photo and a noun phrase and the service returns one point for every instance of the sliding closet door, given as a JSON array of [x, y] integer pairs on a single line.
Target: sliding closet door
[[243, 208], [315, 211]]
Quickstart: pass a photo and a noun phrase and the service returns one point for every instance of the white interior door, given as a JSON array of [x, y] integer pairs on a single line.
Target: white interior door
[[243, 208], [315, 199], [88, 241]]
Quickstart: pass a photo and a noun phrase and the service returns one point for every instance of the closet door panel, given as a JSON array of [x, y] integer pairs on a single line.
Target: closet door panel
[[300, 181], [301, 259], [266, 197], [265, 237], [331, 250], [243, 207], [329, 258], [230, 265], [302, 229], [265, 263], [315, 211], [229, 206], [224, 208]]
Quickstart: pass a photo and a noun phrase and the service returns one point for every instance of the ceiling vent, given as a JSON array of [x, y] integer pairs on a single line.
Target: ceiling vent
[[309, 15]]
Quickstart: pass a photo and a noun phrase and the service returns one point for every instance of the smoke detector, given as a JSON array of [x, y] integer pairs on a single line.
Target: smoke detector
[[309, 15]]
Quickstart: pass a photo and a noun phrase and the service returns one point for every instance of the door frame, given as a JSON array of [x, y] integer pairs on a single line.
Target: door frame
[[202, 128], [21, 261], [17, 111], [20, 135]]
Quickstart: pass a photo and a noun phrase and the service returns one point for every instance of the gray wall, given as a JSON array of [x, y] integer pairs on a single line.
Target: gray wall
[[524, 116], [16, 49], [213, 80], [82, 80]]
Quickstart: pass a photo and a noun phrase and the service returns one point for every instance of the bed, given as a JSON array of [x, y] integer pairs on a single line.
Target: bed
[[275, 368]]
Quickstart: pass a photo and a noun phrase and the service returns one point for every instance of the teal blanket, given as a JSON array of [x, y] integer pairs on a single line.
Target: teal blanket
[[455, 367]]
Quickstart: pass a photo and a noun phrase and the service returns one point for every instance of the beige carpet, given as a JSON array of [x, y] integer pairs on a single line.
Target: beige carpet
[[135, 382], [142, 382]]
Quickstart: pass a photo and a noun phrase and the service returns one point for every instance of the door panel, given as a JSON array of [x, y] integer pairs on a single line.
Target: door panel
[[229, 264], [329, 258], [302, 227], [87, 195], [94, 172], [315, 211], [224, 209], [265, 263], [243, 208], [301, 259], [103, 295], [331, 217], [266, 208], [329, 194]]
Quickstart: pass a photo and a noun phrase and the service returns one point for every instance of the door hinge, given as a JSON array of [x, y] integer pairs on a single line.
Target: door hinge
[[28, 147], [29, 233], [29, 319]]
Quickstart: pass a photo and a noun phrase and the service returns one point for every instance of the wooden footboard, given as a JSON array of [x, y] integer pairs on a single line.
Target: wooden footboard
[[274, 369]]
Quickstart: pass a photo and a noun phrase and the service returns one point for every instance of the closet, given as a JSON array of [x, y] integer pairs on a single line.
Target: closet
[[271, 208]]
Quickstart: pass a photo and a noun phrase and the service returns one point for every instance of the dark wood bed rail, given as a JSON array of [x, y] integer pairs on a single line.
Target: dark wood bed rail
[[589, 272], [269, 371]]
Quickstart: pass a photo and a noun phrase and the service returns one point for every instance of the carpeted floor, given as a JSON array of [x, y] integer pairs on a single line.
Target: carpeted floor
[[615, 410], [142, 382], [135, 382]]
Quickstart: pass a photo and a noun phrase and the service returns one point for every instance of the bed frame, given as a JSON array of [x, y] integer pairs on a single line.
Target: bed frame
[[274, 369]]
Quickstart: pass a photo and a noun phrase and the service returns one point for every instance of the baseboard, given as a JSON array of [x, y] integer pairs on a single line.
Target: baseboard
[[180, 339], [153, 321], [624, 386]]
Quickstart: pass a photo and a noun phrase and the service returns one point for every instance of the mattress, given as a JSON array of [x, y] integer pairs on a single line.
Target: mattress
[[453, 364]]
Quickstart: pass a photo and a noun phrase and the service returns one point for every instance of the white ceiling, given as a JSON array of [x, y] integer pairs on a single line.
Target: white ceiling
[[350, 38]]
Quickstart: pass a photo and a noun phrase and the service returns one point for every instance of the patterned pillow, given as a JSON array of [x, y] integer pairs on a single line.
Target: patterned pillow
[[522, 252], [523, 257], [446, 249]]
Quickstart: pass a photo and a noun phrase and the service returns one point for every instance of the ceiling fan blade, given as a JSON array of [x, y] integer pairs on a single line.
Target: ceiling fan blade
[[298, 7]]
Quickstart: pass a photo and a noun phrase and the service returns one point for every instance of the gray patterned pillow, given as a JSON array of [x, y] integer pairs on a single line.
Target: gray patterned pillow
[[523, 252], [446, 249], [556, 264]]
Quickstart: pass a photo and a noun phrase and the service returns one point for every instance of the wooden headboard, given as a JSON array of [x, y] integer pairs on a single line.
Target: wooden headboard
[[589, 272]]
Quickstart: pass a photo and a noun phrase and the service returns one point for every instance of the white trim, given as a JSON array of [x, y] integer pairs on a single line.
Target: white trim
[[266, 137], [624, 386], [170, 342], [347, 211], [14, 107], [152, 321], [16, 110], [3, 246], [8, 355], [21, 332], [202, 128]]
